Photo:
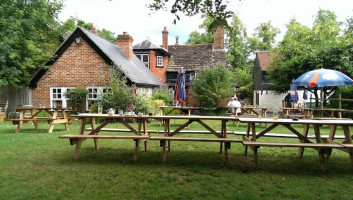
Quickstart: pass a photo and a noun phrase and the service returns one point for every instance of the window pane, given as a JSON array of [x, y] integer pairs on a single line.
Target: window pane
[[145, 58]]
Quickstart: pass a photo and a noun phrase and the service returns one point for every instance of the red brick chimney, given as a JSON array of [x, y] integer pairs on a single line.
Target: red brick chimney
[[218, 38], [165, 38], [125, 44], [94, 30]]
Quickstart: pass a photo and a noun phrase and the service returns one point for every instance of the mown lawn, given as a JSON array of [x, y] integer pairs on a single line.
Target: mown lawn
[[38, 165]]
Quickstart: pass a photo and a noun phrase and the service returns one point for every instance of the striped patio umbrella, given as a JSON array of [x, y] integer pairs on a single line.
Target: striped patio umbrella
[[323, 78]]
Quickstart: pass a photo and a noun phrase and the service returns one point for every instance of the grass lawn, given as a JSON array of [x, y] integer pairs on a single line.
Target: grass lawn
[[38, 165]]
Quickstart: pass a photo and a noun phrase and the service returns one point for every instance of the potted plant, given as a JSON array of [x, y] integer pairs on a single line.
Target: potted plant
[[77, 98]]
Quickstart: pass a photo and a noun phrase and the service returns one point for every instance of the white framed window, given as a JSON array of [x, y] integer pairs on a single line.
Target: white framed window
[[149, 92], [57, 97], [159, 61], [93, 94], [192, 76], [142, 91], [145, 58]]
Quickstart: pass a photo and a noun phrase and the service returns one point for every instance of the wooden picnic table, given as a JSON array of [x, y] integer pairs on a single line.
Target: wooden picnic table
[[29, 114], [141, 134], [292, 112], [323, 112], [180, 108], [324, 146], [253, 110]]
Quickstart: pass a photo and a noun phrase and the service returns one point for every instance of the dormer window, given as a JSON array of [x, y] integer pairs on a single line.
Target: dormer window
[[145, 58], [159, 61]]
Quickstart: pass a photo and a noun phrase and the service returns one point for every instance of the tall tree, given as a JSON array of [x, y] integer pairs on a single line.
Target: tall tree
[[266, 33], [304, 49], [29, 34]]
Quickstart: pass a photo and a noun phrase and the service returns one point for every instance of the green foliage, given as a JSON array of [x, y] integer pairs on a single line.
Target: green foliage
[[216, 9], [266, 33], [199, 38], [143, 104], [305, 49], [163, 93], [120, 95], [29, 33], [213, 85], [104, 33], [77, 98]]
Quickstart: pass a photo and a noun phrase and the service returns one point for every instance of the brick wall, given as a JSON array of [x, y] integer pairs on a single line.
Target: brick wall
[[159, 72], [78, 66]]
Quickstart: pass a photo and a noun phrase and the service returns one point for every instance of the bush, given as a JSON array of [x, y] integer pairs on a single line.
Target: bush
[[77, 98], [213, 86], [120, 95], [143, 104], [163, 93]]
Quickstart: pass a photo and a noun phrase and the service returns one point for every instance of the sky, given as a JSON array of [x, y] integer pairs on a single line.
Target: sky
[[133, 16]]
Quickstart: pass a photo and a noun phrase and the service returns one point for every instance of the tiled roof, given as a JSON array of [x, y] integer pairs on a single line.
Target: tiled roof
[[264, 58], [194, 57], [134, 69]]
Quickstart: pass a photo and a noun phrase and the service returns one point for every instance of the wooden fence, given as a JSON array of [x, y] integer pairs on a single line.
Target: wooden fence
[[15, 97]]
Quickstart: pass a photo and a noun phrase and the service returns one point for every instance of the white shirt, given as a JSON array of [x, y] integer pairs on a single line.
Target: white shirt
[[235, 104]]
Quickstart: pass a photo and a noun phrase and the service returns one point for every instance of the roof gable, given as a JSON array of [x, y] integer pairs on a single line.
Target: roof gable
[[264, 58], [134, 69]]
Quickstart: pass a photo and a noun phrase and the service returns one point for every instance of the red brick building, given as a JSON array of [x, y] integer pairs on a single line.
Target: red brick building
[[83, 60]]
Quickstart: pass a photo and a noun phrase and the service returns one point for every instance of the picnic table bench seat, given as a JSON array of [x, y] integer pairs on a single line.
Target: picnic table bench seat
[[77, 139], [280, 144]]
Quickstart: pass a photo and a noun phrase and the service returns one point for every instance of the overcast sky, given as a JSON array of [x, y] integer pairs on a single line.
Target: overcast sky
[[135, 18]]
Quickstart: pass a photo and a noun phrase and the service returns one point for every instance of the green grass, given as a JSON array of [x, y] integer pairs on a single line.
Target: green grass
[[38, 165]]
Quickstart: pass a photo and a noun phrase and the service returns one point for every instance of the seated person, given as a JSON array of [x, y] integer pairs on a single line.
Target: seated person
[[234, 103]]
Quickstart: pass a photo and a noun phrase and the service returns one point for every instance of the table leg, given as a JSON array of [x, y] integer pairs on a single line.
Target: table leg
[[253, 130], [19, 125], [35, 122], [136, 149], [67, 120], [166, 124], [348, 140], [145, 132], [93, 125], [77, 149], [224, 135], [305, 134], [320, 150], [54, 117], [247, 135]]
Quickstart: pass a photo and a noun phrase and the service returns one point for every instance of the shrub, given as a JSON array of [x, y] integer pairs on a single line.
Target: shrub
[[77, 98], [120, 95], [163, 93], [213, 85], [143, 104]]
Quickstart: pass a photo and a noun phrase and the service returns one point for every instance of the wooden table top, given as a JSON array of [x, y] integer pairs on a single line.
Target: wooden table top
[[38, 108], [181, 107], [117, 116], [300, 121]]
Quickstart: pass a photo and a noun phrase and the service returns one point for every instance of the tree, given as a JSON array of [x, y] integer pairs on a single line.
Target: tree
[[29, 34], [199, 38], [266, 33], [104, 33], [216, 9], [240, 47], [305, 49], [213, 85]]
